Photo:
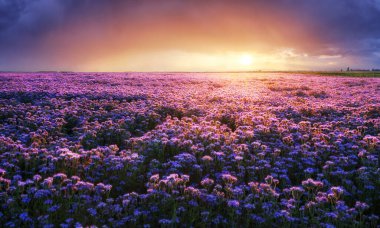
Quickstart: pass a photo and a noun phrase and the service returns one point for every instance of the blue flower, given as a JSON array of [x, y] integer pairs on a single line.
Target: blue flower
[[92, 211]]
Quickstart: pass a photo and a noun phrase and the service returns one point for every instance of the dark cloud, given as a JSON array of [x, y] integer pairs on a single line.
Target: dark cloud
[[343, 21], [25, 21], [10, 12]]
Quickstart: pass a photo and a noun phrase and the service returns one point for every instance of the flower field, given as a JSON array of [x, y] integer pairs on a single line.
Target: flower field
[[170, 150]]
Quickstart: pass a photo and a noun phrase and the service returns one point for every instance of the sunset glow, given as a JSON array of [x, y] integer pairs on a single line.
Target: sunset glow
[[246, 60], [192, 35]]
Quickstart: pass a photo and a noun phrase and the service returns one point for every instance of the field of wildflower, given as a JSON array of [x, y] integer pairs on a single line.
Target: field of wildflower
[[202, 150]]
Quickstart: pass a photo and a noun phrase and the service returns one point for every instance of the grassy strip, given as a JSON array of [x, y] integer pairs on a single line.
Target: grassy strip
[[360, 74]]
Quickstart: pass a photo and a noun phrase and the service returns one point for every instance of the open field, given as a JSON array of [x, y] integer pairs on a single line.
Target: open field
[[233, 150]]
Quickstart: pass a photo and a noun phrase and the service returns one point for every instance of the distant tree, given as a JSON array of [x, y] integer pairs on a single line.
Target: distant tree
[[348, 68]]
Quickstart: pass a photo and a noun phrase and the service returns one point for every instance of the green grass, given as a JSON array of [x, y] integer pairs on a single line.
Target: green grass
[[361, 74]]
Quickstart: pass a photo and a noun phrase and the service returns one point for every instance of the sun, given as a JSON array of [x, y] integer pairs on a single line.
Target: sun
[[246, 60]]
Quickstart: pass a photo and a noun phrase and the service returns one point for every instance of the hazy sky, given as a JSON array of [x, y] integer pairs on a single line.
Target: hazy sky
[[189, 35]]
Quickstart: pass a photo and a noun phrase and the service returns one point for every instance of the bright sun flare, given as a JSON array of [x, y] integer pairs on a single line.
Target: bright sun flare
[[245, 60]]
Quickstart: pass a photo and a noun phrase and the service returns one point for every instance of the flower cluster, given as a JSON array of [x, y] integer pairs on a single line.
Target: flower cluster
[[237, 150]]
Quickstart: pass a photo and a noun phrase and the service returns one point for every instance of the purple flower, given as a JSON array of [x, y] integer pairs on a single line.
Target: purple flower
[[361, 206], [233, 203], [228, 178], [37, 178], [207, 182], [338, 191], [2, 172], [312, 184]]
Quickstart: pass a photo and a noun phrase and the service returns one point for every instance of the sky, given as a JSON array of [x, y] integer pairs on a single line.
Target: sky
[[189, 35]]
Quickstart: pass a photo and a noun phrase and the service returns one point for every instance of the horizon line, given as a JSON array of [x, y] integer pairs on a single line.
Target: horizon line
[[242, 71]]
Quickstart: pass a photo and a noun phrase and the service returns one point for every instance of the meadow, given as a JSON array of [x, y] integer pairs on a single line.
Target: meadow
[[189, 149]]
